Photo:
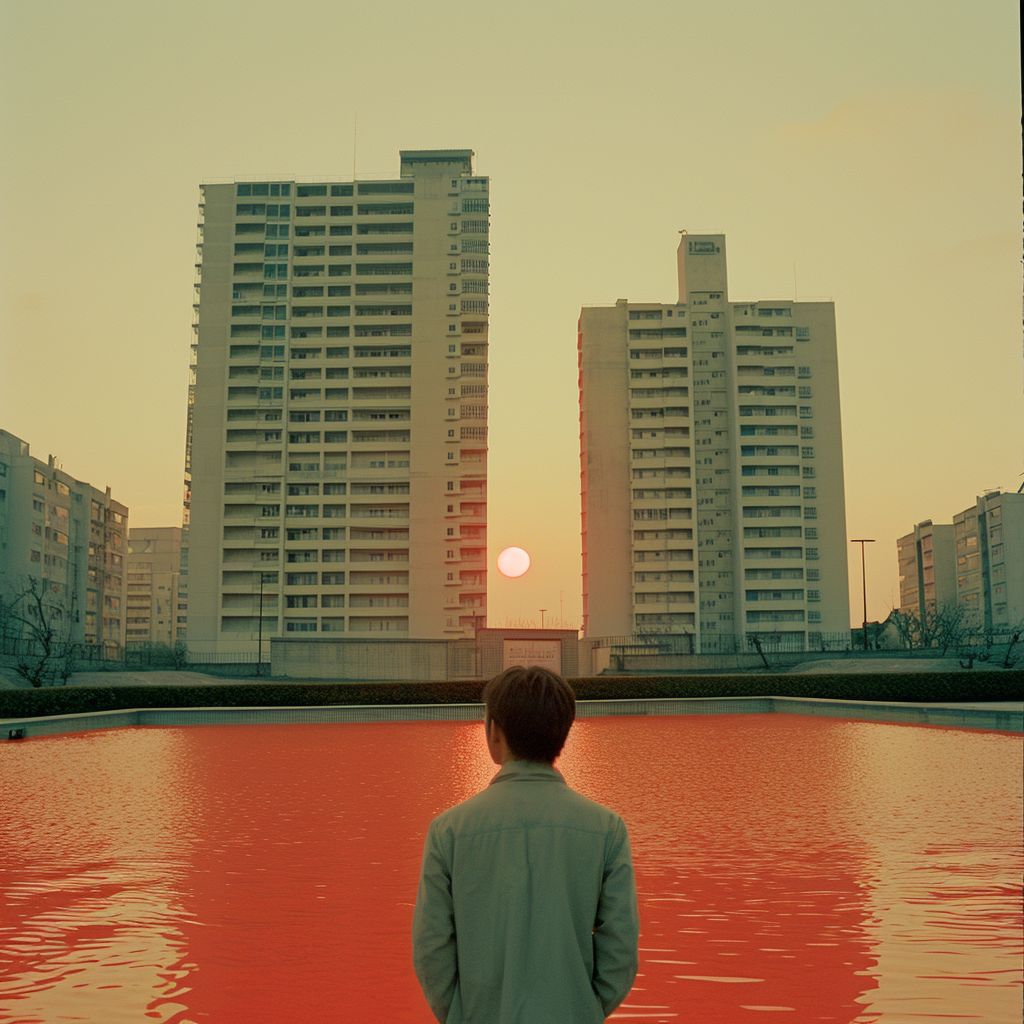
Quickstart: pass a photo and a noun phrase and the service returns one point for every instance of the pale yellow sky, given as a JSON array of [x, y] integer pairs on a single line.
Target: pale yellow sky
[[876, 145]]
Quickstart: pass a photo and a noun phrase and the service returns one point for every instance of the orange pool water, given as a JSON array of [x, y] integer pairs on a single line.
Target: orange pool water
[[789, 868]]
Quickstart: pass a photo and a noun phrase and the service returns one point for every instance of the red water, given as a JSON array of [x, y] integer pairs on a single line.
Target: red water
[[789, 868]]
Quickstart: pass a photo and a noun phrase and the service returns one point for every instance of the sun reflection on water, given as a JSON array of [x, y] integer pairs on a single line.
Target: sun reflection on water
[[811, 868]]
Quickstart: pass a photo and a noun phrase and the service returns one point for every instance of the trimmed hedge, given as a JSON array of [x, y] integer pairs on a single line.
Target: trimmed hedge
[[914, 687]]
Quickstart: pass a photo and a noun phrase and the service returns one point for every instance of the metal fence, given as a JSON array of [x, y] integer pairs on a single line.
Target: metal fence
[[728, 643]]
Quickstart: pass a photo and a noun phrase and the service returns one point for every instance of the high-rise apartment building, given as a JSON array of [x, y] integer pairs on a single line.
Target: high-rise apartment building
[[68, 539], [338, 417], [990, 561], [927, 577], [154, 567], [711, 465]]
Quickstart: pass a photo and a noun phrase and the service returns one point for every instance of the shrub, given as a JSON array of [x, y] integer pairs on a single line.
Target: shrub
[[914, 688]]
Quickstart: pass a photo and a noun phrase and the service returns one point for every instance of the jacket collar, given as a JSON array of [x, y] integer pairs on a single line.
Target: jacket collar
[[527, 771]]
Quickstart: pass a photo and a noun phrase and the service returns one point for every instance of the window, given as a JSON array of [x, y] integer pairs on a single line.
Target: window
[[392, 209]]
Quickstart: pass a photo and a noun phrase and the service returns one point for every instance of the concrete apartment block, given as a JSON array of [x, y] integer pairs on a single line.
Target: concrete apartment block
[[70, 538], [337, 450], [990, 561], [927, 575], [711, 464], [154, 569]]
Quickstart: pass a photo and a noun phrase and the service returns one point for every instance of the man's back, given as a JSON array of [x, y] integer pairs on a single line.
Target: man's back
[[536, 883]]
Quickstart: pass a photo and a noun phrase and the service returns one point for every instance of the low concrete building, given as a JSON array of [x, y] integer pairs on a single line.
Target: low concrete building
[[492, 651]]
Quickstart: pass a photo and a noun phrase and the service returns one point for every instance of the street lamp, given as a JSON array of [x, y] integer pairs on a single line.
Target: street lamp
[[864, 584], [259, 646]]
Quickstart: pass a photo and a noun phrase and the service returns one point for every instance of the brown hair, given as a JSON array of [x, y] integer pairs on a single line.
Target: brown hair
[[534, 708]]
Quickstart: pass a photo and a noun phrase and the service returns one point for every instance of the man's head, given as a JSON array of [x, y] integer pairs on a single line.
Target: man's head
[[534, 709]]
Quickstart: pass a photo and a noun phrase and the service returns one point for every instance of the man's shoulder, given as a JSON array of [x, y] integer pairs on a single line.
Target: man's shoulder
[[503, 805]]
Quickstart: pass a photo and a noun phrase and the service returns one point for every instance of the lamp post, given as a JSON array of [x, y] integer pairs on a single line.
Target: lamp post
[[542, 611], [259, 647], [864, 584]]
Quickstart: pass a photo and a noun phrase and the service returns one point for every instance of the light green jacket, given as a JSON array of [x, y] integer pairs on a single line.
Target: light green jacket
[[526, 911]]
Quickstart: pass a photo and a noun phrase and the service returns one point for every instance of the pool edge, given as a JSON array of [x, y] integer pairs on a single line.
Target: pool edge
[[1004, 718]]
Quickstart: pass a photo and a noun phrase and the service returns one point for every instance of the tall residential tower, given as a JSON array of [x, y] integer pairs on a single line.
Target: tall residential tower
[[712, 465], [338, 442]]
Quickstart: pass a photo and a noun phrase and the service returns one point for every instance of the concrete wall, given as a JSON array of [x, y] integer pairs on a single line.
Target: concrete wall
[[400, 660], [491, 645]]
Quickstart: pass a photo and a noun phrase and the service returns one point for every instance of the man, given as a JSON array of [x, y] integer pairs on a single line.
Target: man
[[526, 911]]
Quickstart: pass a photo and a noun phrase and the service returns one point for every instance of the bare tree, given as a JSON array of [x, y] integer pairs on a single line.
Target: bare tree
[[1016, 635], [42, 615], [908, 628], [948, 628], [944, 629]]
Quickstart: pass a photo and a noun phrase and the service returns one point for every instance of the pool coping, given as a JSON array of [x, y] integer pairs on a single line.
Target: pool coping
[[1002, 717]]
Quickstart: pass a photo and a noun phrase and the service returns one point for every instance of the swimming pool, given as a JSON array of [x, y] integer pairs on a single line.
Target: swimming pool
[[788, 867]]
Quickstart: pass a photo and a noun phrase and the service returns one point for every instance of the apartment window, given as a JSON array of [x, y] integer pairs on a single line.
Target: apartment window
[[807, 453]]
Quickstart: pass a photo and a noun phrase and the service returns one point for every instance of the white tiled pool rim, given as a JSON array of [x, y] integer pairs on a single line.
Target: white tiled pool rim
[[1003, 717]]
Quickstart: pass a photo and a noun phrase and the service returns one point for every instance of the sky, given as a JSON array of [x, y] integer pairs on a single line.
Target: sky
[[867, 152]]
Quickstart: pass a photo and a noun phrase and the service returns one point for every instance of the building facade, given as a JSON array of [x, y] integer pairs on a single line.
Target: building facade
[[927, 575], [154, 569], [990, 561], [68, 539], [711, 465], [337, 447]]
